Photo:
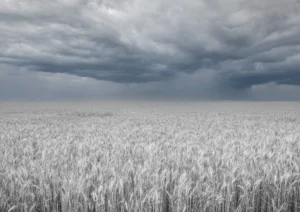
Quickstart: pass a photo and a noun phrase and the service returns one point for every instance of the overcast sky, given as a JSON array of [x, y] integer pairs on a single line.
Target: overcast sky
[[158, 49]]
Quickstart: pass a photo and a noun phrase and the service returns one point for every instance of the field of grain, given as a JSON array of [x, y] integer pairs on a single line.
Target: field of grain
[[170, 160]]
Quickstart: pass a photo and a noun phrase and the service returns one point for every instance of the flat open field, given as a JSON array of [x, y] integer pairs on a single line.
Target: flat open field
[[117, 157]]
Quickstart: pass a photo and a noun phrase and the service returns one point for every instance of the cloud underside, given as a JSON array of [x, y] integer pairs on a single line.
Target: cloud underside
[[242, 43]]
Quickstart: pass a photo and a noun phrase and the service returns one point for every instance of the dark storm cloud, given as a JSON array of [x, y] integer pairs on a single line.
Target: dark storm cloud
[[242, 43], [247, 80]]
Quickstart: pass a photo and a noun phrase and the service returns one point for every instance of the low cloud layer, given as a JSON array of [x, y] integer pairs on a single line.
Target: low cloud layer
[[206, 49]]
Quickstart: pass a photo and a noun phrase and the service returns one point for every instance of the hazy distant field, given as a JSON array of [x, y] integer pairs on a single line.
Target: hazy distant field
[[150, 157]]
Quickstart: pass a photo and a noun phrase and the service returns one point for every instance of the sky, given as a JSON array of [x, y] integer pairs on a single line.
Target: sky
[[158, 49]]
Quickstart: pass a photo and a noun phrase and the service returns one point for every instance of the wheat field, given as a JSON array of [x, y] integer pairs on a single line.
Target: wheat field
[[155, 158]]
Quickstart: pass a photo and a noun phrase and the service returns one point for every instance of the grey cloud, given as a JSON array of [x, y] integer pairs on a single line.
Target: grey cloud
[[243, 81], [242, 43]]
